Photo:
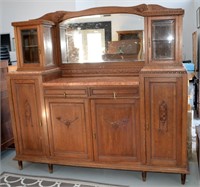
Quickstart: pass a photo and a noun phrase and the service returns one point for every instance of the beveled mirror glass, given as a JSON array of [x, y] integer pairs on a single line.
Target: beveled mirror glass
[[102, 38]]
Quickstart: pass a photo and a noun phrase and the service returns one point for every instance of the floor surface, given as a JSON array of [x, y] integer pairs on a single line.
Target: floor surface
[[119, 177]]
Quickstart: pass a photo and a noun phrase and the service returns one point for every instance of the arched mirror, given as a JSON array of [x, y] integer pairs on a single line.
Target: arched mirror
[[102, 38]]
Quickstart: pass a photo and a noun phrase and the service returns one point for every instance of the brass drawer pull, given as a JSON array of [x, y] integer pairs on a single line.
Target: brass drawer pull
[[65, 94], [114, 95]]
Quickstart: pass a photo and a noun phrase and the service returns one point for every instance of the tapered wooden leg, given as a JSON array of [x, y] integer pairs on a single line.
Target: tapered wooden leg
[[20, 165], [183, 178], [50, 168], [144, 175]]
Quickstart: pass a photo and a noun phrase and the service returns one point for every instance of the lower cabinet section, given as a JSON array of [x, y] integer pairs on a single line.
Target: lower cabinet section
[[28, 120], [101, 130], [163, 99], [118, 127], [116, 130], [166, 128], [69, 128]]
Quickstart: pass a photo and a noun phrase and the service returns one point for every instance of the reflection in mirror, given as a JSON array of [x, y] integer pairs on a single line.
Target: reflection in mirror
[[102, 38]]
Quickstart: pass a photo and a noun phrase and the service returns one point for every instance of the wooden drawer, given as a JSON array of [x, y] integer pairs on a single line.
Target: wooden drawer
[[114, 92], [66, 92]]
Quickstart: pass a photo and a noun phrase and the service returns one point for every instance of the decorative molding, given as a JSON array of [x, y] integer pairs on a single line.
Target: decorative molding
[[163, 72], [163, 126], [67, 122], [28, 114], [157, 10], [55, 17], [142, 10], [118, 123], [103, 71]]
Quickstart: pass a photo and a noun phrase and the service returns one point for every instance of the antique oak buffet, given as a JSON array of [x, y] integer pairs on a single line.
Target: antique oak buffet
[[78, 103]]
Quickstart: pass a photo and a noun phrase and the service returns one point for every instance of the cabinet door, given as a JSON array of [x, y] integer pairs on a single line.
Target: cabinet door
[[28, 116], [35, 46], [164, 105], [116, 130], [69, 129], [163, 39], [30, 48]]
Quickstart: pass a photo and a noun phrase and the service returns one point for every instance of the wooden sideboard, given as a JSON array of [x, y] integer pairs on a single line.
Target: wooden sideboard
[[6, 127], [129, 115]]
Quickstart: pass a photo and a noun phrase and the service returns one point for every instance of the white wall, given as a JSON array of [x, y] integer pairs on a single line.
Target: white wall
[[1, 23], [196, 4], [21, 10]]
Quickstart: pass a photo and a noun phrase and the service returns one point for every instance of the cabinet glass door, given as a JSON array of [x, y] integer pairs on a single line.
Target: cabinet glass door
[[30, 46], [163, 39]]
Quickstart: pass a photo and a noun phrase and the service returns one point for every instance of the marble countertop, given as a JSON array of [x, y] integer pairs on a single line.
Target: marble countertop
[[94, 81]]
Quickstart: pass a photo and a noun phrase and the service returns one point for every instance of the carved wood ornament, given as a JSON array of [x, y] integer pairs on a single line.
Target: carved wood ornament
[[142, 10], [163, 117], [119, 123], [67, 122], [28, 113]]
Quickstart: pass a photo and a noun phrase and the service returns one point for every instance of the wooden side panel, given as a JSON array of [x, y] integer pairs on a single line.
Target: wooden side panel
[[6, 125], [69, 128], [28, 116], [116, 128], [48, 46], [163, 109]]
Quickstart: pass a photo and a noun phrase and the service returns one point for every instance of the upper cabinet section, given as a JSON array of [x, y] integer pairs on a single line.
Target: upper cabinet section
[[34, 45], [124, 36], [164, 40]]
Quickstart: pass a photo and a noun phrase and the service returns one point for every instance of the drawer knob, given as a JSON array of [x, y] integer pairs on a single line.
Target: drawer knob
[[65, 94], [114, 95]]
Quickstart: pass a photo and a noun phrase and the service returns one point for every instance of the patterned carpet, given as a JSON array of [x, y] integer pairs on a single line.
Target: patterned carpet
[[17, 180]]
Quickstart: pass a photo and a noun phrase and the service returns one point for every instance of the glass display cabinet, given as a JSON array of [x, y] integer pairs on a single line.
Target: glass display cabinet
[[93, 79], [163, 40], [34, 45]]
